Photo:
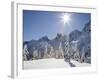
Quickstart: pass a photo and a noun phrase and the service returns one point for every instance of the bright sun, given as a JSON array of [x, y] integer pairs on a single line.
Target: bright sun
[[65, 18]]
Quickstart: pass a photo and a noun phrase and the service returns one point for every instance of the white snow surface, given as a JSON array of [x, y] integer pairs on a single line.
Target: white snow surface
[[51, 63]]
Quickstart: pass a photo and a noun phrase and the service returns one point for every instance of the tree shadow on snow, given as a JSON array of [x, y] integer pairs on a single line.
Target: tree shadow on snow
[[71, 64]]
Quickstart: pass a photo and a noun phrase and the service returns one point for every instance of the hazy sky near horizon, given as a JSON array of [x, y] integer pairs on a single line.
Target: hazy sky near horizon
[[37, 24]]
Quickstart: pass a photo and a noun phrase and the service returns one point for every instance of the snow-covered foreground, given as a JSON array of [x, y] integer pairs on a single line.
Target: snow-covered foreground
[[50, 63], [79, 64]]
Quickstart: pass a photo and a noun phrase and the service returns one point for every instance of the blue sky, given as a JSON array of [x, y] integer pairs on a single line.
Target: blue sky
[[37, 24]]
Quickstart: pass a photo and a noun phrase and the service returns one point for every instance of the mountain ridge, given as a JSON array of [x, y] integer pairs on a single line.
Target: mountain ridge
[[77, 45]]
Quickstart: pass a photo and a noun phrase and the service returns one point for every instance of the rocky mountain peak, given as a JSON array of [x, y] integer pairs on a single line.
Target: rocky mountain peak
[[44, 38]]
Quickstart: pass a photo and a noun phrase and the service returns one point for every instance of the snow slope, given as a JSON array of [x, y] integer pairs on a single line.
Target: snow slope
[[50, 63]]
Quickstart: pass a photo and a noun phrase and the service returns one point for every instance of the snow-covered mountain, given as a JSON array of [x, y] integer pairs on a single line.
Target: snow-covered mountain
[[81, 44], [45, 48], [76, 45], [74, 35]]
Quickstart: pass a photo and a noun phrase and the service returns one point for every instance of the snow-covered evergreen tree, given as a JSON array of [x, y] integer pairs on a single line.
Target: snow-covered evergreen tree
[[25, 53], [60, 54], [35, 54], [52, 53], [67, 50], [45, 51]]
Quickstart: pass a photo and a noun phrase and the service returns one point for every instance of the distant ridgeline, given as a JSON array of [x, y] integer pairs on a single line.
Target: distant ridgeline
[[76, 45]]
